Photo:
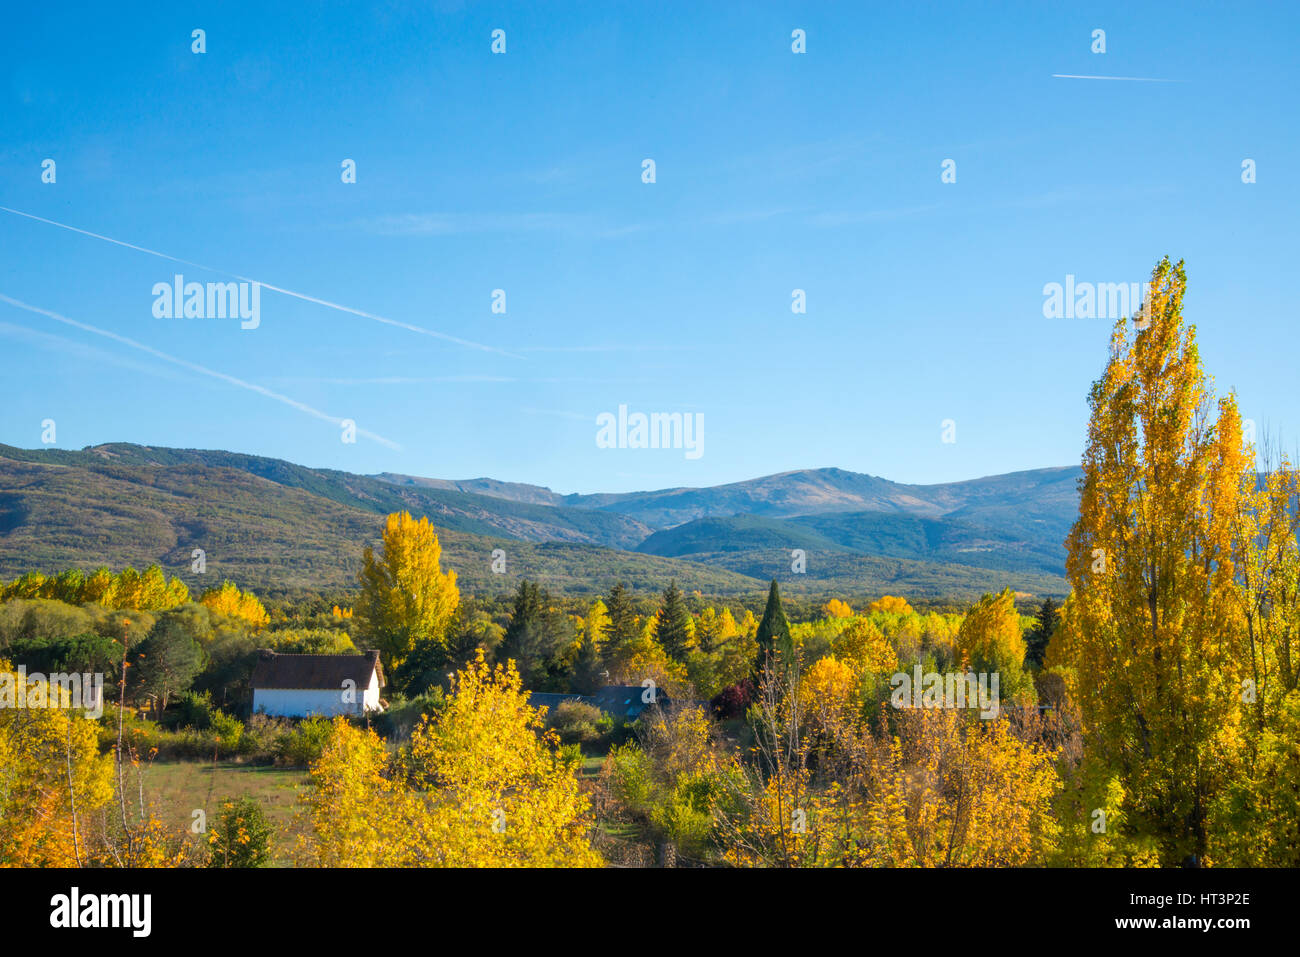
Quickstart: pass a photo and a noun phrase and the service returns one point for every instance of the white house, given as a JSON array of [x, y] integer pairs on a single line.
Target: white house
[[296, 686]]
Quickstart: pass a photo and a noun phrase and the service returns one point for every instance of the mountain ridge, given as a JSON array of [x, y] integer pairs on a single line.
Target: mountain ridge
[[294, 525]]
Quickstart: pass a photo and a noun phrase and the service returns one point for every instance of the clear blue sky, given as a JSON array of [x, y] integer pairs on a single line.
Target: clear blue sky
[[522, 171]]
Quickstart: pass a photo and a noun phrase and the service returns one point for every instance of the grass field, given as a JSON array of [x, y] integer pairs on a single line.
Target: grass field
[[175, 789]]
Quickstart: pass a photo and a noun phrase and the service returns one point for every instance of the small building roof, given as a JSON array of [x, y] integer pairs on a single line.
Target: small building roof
[[627, 700], [315, 672], [623, 701]]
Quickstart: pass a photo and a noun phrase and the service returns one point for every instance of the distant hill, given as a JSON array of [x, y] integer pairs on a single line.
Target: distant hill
[[510, 491], [461, 511], [273, 537], [276, 526], [1014, 522], [881, 534], [1050, 494]]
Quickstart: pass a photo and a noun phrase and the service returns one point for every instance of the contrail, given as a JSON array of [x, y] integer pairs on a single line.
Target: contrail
[[193, 367], [266, 285], [1134, 79]]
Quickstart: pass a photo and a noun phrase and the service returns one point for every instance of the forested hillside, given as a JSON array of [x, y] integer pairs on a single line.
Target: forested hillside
[[278, 526]]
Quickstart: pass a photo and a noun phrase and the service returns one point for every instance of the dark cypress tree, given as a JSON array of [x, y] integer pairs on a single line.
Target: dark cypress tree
[[1037, 640], [775, 643], [622, 617], [674, 623]]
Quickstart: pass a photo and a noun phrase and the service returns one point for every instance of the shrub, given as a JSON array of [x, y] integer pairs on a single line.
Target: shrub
[[631, 777], [686, 816], [194, 710], [302, 745], [571, 755], [28, 618], [261, 734], [226, 731], [576, 722], [242, 837], [733, 702]]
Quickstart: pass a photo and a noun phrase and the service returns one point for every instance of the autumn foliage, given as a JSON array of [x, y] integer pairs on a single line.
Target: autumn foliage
[[481, 784]]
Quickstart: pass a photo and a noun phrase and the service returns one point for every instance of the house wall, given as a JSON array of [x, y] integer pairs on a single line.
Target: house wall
[[301, 702], [371, 698]]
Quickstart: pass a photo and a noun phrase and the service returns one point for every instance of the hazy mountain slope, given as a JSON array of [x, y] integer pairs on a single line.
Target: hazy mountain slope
[[788, 493], [271, 524], [510, 491], [740, 533], [479, 514], [1017, 499], [949, 540], [850, 574], [268, 536], [879, 534]]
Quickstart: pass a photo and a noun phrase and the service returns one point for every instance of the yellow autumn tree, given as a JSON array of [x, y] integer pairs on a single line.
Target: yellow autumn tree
[[644, 659], [482, 784], [501, 794], [406, 598], [53, 780], [828, 695], [1258, 820], [863, 647], [934, 788], [708, 629], [1154, 631], [357, 814], [100, 587], [229, 600], [990, 640], [153, 589], [748, 625], [835, 608], [891, 604], [130, 589], [727, 627], [953, 790]]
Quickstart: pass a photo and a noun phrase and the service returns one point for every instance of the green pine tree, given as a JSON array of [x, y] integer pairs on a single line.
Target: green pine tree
[[622, 617], [674, 623], [535, 635]]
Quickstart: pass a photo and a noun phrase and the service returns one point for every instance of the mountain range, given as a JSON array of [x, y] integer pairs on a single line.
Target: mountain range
[[280, 527]]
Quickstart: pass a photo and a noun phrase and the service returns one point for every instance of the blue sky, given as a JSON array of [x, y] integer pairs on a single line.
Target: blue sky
[[522, 172]]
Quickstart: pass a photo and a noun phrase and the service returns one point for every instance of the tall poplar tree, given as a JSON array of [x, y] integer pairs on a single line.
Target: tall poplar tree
[[1151, 629], [406, 598]]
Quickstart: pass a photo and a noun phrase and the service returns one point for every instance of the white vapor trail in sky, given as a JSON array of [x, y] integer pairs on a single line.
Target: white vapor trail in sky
[[266, 285], [1131, 79], [194, 367]]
